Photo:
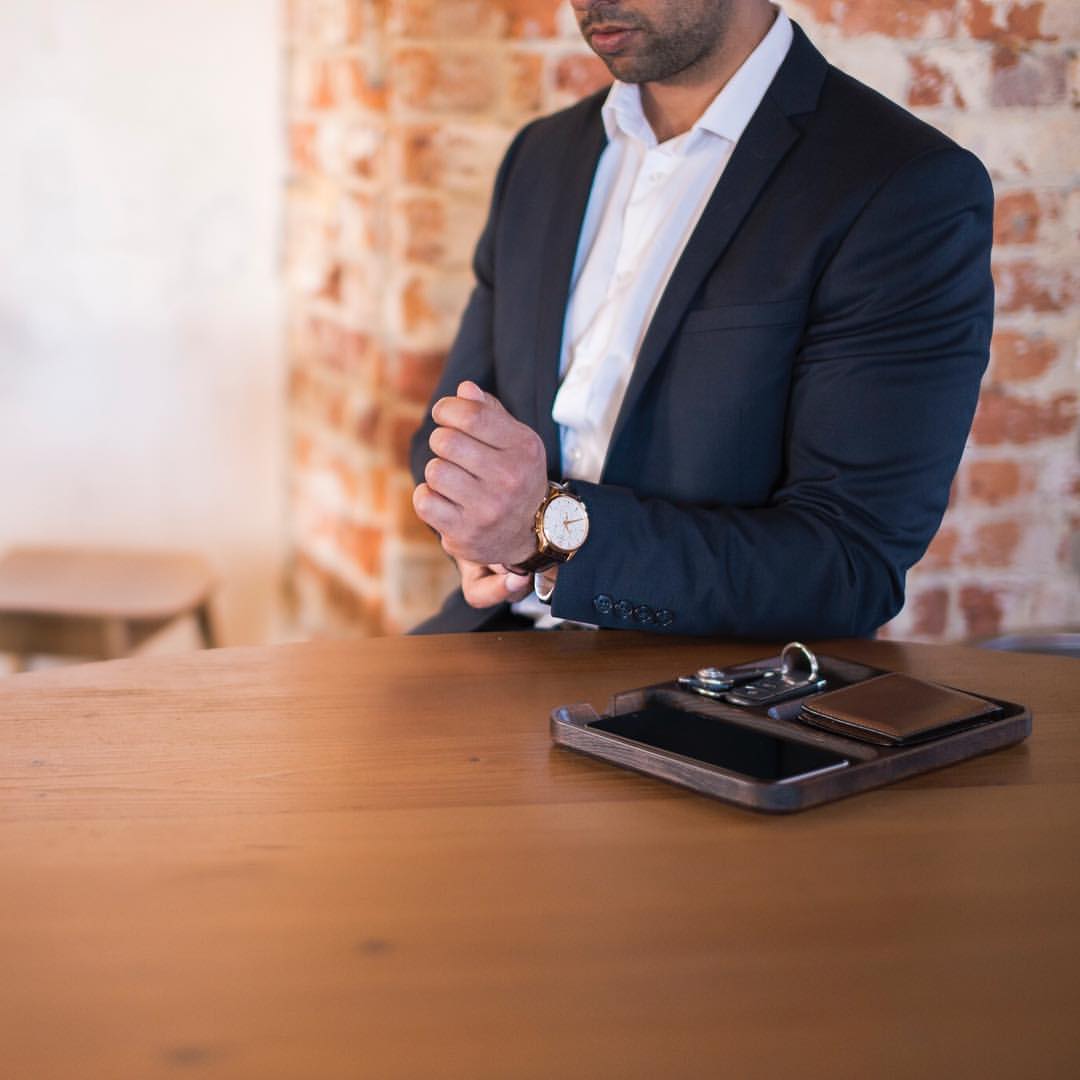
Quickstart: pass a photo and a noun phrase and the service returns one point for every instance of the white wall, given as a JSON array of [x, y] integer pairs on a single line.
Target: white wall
[[140, 364]]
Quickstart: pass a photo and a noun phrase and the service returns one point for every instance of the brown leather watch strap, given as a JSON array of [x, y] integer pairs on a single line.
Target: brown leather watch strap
[[542, 560]]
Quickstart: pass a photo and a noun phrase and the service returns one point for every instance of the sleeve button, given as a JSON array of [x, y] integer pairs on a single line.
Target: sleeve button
[[643, 613], [624, 609], [665, 617], [603, 604]]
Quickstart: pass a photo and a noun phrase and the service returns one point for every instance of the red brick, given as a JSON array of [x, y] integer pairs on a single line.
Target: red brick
[[1068, 548], [448, 19], [363, 19], [893, 18], [531, 18], [930, 85], [446, 80], [417, 373], [318, 81], [421, 162], [363, 545], [406, 524], [931, 612], [349, 605], [361, 358], [1003, 418], [1030, 286], [348, 481], [379, 489], [996, 482], [416, 310], [994, 543], [1015, 356], [1022, 22], [450, 155], [982, 611], [524, 87], [366, 425], [302, 151], [939, 555], [424, 221], [402, 428], [1016, 218], [341, 351], [330, 287], [322, 401], [363, 150], [1019, 78], [366, 88], [303, 450], [579, 74]]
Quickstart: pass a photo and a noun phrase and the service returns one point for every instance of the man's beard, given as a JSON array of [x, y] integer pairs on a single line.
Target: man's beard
[[657, 55]]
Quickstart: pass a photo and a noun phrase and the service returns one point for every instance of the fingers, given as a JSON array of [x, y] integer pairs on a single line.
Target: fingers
[[482, 417], [485, 586], [461, 449], [518, 586], [435, 509], [452, 482], [471, 392]]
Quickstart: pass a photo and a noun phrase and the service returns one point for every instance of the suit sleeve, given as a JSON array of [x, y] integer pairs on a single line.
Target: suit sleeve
[[883, 392], [472, 353]]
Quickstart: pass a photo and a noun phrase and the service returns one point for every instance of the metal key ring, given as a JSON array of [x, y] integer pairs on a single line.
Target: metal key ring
[[787, 664]]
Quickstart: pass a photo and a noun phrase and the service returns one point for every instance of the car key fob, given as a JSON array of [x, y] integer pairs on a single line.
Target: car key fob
[[771, 688]]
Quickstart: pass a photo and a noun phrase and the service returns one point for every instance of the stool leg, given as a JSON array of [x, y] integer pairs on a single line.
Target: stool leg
[[206, 626], [117, 639]]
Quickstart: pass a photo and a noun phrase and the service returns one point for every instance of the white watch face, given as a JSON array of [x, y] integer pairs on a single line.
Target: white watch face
[[565, 523]]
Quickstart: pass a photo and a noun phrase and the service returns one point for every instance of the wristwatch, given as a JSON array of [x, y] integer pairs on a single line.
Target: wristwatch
[[561, 525]]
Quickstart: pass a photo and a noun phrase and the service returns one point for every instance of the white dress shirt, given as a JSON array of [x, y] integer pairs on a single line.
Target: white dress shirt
[[645, 201]]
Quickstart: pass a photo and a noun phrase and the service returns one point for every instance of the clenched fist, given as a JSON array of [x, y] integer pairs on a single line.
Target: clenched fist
[[486, 482]]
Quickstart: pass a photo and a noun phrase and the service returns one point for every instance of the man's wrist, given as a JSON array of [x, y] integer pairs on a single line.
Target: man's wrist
[[561, 525]]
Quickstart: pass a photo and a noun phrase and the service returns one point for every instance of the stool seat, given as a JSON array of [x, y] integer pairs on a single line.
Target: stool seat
[[97, 603]]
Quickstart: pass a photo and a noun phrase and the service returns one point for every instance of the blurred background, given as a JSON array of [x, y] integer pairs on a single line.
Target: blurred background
[[236, 241]]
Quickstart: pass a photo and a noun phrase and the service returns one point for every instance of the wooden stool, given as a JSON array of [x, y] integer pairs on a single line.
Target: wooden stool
[[97, 604]]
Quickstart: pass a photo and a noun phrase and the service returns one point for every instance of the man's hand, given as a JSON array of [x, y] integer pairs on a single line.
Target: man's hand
[[486, 586], [483, 488]]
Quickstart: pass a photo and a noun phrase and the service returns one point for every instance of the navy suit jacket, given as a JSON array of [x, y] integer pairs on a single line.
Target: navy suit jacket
[[798, 408]]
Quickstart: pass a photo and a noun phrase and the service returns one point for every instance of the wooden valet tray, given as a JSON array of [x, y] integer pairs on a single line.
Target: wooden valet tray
[[869, 766]]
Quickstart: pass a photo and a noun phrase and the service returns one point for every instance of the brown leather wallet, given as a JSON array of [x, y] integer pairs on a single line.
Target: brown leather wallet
[[896, 710]]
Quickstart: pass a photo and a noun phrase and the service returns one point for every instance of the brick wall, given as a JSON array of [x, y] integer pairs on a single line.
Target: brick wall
[[398, 112]]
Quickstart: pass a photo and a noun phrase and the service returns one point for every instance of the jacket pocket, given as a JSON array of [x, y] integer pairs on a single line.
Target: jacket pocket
[[734, 316]]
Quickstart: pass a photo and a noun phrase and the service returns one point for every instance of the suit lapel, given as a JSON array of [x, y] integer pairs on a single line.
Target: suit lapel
[[574, 182], [762, 147]]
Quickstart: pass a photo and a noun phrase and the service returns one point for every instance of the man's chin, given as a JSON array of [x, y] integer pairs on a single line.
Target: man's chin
[[627, 69]]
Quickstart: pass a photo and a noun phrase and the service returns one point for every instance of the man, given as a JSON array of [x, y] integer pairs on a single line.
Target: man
[[740, 307]]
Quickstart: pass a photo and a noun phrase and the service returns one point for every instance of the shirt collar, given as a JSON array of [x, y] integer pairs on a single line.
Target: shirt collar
[[728, 113]]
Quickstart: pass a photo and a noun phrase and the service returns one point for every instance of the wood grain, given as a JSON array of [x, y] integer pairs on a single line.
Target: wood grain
[[366, 859]]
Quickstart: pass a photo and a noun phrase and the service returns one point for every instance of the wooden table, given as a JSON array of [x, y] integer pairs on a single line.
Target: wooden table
[[366, 860]]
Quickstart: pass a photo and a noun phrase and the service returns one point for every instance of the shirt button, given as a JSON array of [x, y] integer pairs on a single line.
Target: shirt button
[[665, 617], [602, 604], [624, 609], [643, 613]]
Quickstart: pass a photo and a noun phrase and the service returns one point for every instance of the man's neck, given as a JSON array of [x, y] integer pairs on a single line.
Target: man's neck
[[675, 105]]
